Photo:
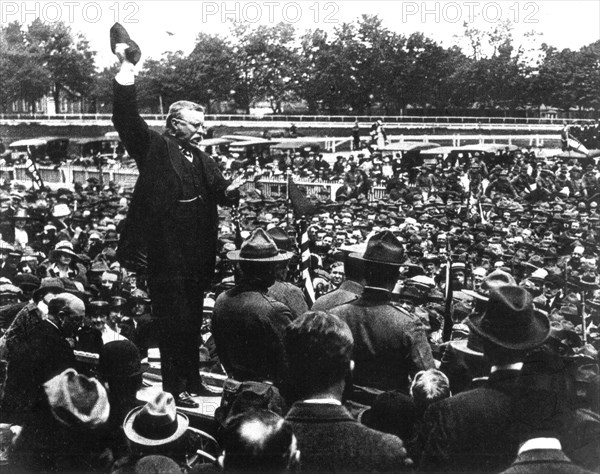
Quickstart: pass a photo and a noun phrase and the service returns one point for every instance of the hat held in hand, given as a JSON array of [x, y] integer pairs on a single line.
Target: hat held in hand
[[510, 320], [119, 35]]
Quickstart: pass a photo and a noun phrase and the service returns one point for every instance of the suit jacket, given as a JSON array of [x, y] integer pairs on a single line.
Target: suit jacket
[[290, 295], [347, 292], [248, 327], [150, 221], [329, 439], [389, 343], [44, 354], [544, 461], [471, 431]]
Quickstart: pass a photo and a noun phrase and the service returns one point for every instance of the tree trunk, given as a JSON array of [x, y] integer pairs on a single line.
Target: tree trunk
[[56, 95]]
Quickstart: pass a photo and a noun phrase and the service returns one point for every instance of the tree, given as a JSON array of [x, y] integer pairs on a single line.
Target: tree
[[68, 60]]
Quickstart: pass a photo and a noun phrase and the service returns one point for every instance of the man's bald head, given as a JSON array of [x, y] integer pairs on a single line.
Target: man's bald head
[[68, 311]]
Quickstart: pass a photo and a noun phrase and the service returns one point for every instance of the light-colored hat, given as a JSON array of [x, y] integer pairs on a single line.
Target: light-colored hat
[[61, 210], [76, 400], [65, 247], [156, 423]]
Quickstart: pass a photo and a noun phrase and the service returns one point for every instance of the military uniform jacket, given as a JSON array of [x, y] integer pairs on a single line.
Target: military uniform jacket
[[248, 327], [389, 343]]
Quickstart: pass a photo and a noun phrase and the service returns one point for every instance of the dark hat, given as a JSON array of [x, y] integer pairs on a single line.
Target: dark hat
[[49, 285], [259, 247], [383, 247], [121, 359], [98, 308], [510, 320], [281, 238], [555, 279], [118, 34]]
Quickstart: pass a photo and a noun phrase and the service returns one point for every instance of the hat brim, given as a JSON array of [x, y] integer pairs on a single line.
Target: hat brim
[[133, 436], [42, 291], [65, 252], [235, 256], [358, 256], [540, 330], [476, 295], [462, 346]]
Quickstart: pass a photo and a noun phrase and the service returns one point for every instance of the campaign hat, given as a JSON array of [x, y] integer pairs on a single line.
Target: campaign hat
[[384, 248], [259, 247]]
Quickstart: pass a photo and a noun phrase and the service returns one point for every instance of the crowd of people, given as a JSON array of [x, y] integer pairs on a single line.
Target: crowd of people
[[59, 265], [451, 326]]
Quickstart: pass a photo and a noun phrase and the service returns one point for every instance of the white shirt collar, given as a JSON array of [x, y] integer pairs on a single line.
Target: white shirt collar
[[540, 443], [515, 366], [323, 401]]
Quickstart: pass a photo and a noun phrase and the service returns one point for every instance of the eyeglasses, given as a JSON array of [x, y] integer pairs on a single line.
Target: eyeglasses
[[196, 125]]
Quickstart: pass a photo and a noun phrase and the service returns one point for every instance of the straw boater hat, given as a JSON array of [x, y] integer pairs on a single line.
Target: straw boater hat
[[156, 423], [510, 320], [259, 247]]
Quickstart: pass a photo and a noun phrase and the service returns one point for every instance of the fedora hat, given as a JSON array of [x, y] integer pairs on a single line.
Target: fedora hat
[[383, 247], [121, 359], [118, 34], [156, 423], [510, 320], [76, 400], [259, 247], [49, 285]]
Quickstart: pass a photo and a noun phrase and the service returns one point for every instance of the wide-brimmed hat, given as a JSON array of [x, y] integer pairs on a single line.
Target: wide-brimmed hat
[[121, 359], [384, 248], [76, 400], [259, 247], [118, 34], [65, 247], [155, 423], [510, 320]]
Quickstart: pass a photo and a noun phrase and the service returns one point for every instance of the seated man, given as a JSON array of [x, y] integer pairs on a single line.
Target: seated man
[[258, 441], [319, 347]]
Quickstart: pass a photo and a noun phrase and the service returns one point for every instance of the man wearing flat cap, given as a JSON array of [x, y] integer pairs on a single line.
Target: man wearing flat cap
[[471, 431], [247, 324], [172, 219], [389, 343]]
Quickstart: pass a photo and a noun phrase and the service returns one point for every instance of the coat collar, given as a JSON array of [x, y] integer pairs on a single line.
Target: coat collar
[[536, 455], [307, 412]]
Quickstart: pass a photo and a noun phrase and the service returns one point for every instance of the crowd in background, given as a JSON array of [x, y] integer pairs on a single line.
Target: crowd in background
[[530, 219]]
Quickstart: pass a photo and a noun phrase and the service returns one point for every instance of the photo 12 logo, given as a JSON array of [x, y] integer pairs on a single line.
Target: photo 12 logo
[[269, 12], [455, 12], [68, 12]]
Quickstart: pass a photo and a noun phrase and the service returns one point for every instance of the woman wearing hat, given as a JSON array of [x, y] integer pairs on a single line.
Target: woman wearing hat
[[64, 263]]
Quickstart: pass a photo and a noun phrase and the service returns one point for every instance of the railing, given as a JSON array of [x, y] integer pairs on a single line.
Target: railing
[[66, 176], [364, 119]]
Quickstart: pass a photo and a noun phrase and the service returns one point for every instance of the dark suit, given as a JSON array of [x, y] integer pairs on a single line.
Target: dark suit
[[471, 431], [389, 343], [248, 327], [347, 292], [173, 219], [329, 439], [544, 461], [44, 354]]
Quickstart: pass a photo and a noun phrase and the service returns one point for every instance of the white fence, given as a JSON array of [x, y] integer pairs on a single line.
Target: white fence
[[66, 176]]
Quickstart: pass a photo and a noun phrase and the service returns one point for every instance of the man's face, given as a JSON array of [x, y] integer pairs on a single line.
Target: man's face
[[108, 281], [550, 290], [337, 275], [72, 317], [190, 125]]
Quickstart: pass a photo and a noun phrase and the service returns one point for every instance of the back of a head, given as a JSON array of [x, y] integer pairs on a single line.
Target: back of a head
[[319, 348], [65, 300], [354, 269], [258, 441], [428, 387]]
